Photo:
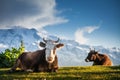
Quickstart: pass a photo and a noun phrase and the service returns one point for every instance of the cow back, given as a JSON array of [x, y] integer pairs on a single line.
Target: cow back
[[102, 59], [30, 59]]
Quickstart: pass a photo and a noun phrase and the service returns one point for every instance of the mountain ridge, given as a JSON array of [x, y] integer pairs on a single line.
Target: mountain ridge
[[72, 54]]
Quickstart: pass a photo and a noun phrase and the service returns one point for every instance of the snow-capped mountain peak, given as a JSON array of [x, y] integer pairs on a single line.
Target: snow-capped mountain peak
[[72, 54]]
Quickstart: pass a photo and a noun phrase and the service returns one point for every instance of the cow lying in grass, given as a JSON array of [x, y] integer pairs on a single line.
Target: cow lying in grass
[[45, 60], [98, 59]]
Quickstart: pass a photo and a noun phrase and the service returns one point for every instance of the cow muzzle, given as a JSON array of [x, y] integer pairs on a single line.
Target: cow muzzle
[[87, 60], [50, 59]]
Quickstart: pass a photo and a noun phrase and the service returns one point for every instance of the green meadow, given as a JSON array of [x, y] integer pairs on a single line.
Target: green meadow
[[66, 73]]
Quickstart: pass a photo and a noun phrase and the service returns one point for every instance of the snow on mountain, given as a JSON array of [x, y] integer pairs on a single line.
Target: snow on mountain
[[72, 54], [12, 38]]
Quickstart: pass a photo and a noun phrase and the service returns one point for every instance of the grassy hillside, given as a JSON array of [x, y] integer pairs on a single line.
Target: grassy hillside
[[66, 73]]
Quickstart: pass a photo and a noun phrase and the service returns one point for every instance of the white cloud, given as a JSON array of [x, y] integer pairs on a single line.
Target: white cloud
[[80, 34], [29, 13], [3, 46]]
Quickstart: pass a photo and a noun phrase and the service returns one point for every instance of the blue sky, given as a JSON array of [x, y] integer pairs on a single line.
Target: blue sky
[[104, 14], [93, 22]]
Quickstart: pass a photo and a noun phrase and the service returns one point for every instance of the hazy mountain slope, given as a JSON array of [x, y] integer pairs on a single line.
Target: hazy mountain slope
[[72, 54]]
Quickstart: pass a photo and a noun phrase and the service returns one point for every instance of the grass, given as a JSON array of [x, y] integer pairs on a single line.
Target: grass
[[66, 73]]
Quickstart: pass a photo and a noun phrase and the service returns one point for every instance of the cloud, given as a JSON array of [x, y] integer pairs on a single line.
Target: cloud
[[80, 33], [29, 13], [3, 46]]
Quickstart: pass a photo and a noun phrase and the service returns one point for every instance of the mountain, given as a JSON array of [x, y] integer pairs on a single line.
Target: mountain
[[12, 37], [72, 54]]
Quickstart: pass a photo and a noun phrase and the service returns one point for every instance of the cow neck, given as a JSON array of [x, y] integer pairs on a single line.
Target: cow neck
[[44, 50], [42, 58], [99, 58]]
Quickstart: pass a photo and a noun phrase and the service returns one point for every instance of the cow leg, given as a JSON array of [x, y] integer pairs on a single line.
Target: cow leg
[[55, 69], [17, 63], [52, 68], [36, 69], [49, 68], [29, 70], [94, 64], [106, 63]]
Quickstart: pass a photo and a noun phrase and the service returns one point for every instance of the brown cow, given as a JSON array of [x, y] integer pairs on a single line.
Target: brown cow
[[41, 60], [98, 59]]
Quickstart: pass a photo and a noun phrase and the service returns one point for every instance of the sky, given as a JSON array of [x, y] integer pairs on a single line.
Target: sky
[[92, 22]]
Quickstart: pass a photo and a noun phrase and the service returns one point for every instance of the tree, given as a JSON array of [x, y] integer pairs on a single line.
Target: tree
[[22, 47], [8, 57]]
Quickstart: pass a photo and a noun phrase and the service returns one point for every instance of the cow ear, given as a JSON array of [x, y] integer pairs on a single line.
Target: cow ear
[[59, 45], [42, 44]]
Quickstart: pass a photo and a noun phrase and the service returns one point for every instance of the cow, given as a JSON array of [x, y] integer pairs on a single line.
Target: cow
[[98, 59], [44, 60]]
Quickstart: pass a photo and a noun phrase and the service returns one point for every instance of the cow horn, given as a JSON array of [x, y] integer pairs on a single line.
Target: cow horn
[[90, 49], [57, 40], [44, 40], [94, 49]]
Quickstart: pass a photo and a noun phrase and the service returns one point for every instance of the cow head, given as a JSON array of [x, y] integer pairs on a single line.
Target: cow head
[[91, 56], [50, 49]]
